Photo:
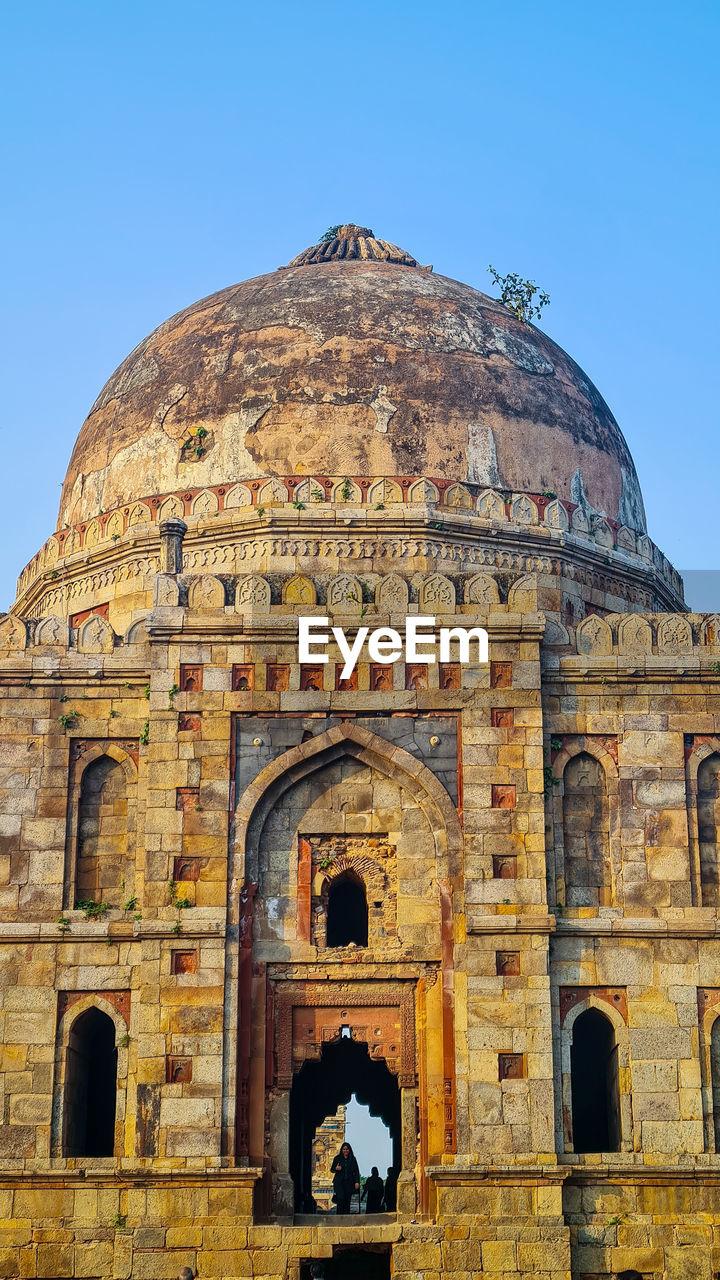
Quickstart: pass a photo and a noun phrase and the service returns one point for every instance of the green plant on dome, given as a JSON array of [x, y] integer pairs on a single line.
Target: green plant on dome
[[518, 295]]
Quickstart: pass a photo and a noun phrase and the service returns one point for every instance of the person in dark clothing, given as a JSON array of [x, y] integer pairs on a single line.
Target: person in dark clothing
[[346, 1177], [390, 1197], [373, 1192]]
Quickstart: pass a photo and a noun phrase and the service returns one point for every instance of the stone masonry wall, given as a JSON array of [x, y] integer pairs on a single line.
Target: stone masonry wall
[[510, 1197]]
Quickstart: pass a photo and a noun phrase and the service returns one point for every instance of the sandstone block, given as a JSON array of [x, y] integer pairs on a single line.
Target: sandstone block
[[417, 1256], [226, 1262], [268, 1262], [54, 1260], [93, 1259]]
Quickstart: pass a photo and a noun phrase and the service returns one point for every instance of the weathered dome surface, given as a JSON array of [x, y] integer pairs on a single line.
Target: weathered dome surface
[[354, 365]]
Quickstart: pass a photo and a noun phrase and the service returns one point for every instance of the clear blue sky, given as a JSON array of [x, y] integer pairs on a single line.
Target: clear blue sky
[[369, 1138], [155, 152]]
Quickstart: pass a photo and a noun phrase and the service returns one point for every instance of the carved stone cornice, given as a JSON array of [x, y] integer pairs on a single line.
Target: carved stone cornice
[[445, 536]]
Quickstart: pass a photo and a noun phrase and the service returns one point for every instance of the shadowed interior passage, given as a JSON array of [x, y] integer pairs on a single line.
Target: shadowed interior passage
[[90, 1086], [594, 1078], [345, 1068]]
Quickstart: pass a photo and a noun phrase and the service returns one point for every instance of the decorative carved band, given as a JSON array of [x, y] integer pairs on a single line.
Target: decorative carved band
[[310, 1014]]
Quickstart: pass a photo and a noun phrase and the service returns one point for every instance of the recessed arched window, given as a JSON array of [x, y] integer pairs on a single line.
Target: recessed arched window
[[347, 911], [708, 815], [90, 1086], [715, 1079], [102, 832], [586, 832], [594, 1084]]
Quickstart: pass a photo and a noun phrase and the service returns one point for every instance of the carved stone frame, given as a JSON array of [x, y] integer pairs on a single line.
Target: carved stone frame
[[364, 996]]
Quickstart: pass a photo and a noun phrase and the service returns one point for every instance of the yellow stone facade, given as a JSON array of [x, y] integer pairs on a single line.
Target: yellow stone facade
[[535, 840]]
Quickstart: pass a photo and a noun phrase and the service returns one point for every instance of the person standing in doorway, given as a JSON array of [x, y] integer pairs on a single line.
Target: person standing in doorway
[[390, 1198], [373, 1192], [346, 1177]]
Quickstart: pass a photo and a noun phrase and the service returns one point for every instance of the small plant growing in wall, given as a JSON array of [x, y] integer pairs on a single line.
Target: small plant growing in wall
[[346, 491], [63, 924], [119, 1221], [194, 443], [92, 910], [180, 904], [145, 734], [124, 1041], [550, 780], [172, 691], [131, 903], [298, 505], [518, 295], [146, 693], [68, 719]]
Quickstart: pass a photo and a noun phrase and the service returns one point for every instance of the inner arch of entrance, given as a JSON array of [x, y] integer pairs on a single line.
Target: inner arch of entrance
[[344, 799]]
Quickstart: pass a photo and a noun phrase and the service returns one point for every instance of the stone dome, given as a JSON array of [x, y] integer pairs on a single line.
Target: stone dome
[[353, 361]]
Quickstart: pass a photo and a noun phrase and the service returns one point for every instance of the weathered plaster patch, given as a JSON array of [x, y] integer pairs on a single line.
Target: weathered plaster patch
[[631, 511], [150, 465], [383, 408], [577, 492], [482, 455]]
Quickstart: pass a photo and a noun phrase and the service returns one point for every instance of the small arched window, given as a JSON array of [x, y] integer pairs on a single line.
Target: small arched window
[[708, 816], [102, 832], [594, 1084], [90, 1086], [586, 832], [347, 911]]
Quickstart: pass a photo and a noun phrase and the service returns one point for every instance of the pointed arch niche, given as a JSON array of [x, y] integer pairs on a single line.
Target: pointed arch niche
[[91, 1075], [101, 827], [708, 999], [344, 807], [595, 1111], [585, 808], [702, 780]]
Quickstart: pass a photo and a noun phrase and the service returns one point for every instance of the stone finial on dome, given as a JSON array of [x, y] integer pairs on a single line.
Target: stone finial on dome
[[350, 242]]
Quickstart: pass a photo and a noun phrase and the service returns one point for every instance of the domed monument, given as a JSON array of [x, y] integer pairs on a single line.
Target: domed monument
[[242, 883]]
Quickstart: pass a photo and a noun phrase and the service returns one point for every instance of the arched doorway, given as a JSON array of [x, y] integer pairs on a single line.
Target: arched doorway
[[319, 1088], [90, 1086], [594, 1084]]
